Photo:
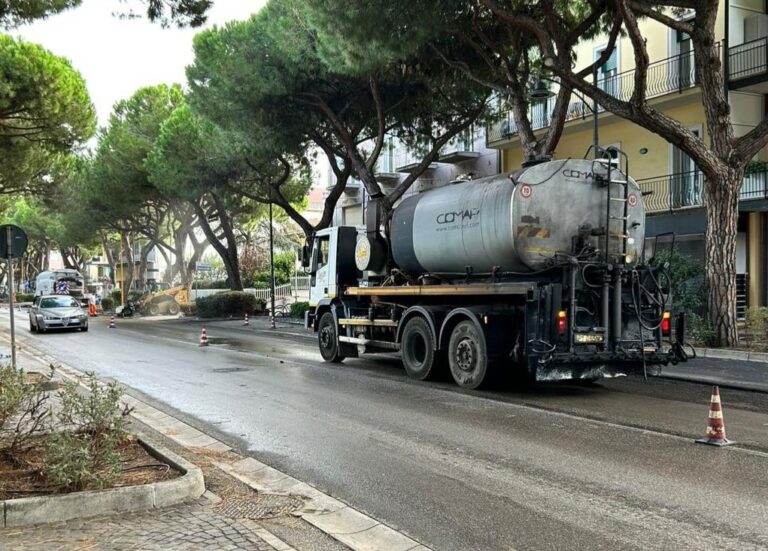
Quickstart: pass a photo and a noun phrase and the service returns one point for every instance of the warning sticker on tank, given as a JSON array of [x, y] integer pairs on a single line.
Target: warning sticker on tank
[[533, 231], [526, 191], [632, 200]]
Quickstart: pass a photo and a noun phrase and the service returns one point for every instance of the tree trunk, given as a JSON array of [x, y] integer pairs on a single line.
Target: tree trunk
[[227, 251], [722, 201], [141, 279], [127, 265]]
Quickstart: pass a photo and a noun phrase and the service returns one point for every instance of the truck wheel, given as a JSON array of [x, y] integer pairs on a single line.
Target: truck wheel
[[418, 350], [328, 339], [468, 356], [154, 309], [173, 308]]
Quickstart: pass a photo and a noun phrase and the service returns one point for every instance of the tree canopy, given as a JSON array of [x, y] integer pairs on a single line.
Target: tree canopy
[[45, 110], [165, 12]]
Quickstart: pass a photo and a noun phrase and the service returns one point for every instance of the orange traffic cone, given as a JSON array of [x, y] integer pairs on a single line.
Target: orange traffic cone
[[112, 322], [203, 337], [716, 426], [246, 322]]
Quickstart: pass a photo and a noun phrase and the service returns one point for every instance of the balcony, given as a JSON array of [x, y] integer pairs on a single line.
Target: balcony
[[458, 150], [408, 161], [386, 172], [748, 66], [685, 190], [672, 75]]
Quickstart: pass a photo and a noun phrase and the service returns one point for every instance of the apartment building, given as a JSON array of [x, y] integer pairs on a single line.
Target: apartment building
[[675, 201], [466, 156]]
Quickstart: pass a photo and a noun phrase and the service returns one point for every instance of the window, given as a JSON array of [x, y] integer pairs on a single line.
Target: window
[[686, 184], [323, 248], [607, 74], [686, 65]]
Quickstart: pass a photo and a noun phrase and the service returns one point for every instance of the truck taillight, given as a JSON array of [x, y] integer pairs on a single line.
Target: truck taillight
[[666, 324], [562, 321]]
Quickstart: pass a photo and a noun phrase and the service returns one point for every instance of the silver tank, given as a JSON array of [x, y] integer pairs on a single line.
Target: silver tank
[[518, 222]]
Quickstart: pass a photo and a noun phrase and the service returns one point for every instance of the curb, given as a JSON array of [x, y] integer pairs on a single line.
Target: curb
[[725, 354], [704, 379], [354, 529], [58, 508]]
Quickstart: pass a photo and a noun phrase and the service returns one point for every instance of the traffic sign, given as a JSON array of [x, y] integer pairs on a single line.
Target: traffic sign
[[15, 241], [203, 267]]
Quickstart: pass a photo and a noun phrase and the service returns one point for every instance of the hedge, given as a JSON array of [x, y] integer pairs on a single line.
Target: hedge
[[107, 303], [25, 297], [298, 309], [231, 303]]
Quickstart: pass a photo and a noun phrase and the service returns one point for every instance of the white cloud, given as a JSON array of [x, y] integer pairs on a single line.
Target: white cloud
[[118, 56]]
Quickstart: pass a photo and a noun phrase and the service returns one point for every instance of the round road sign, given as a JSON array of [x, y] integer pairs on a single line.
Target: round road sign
[[526, 191], [632, 200], [13, 243]]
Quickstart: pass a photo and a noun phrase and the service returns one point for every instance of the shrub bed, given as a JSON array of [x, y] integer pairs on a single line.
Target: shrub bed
[[298, 309], [107, 303], [231, 303], [25, 297]]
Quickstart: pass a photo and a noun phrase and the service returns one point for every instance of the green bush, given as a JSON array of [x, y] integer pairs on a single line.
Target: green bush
[[117, 296], [700, 330], [686, 275], [189, 309], [25, 297], [756, 327], [232, 303], [24, 411], [107, 303], [87, 456], [298, 309], [211, 284]]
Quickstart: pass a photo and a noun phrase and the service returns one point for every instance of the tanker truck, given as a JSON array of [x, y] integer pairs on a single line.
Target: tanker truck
[[538, 274]]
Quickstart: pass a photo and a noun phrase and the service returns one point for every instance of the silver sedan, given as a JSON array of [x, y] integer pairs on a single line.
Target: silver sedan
[[57, 312]]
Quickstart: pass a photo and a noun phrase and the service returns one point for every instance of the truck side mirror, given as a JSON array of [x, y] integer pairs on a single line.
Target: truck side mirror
[[304, 256]]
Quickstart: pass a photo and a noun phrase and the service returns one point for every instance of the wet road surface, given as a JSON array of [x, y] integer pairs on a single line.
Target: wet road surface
[[609, 466]]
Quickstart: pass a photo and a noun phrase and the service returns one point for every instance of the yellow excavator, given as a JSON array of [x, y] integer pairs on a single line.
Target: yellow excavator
[[168, 301]]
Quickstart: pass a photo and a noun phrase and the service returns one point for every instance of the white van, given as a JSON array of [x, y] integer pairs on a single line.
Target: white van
[[46, 282]]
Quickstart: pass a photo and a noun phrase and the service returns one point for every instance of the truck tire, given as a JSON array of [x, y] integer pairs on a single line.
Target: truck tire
[[417, 349], [327, 337], [154, 308], [468, 356], [173, 308]]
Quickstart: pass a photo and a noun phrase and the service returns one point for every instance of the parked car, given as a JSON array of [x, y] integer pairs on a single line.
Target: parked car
[[57, 312]]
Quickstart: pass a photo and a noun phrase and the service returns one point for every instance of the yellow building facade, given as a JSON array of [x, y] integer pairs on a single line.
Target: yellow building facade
[[673, 184]]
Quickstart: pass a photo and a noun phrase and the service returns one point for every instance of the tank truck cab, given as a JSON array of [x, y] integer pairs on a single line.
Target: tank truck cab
[[330, 262]]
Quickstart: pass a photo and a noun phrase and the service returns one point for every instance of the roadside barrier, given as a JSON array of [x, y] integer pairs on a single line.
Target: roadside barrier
[[246, 322], [716, 425], [112, 322], [203, 337], [272, 321]]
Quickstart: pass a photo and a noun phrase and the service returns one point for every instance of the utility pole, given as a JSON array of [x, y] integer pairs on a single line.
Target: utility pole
[[11, 291]]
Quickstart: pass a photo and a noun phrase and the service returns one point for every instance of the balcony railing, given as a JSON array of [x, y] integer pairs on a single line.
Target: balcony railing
[[671, 75], [749, 59], [686, 190]]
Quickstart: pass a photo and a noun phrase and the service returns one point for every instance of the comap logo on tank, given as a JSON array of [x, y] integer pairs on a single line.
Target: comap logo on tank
[[456, 216], [570, 173]]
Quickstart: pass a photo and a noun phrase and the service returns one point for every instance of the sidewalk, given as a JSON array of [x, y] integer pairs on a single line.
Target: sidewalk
[[247, 505], [727, 368]]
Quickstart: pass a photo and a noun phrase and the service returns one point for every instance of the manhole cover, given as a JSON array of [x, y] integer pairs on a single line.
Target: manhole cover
[[230, 369], [259, 506]]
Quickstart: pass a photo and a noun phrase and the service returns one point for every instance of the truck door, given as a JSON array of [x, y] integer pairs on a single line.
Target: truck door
[[321, 267]]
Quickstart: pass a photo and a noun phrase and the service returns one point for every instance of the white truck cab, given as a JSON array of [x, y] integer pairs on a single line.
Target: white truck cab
[[331, 264]]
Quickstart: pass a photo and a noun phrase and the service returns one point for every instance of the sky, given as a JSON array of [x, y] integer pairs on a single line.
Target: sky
[[118, 56]]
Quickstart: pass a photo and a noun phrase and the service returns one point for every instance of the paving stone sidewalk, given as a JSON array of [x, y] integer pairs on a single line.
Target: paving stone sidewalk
[[194, 526]]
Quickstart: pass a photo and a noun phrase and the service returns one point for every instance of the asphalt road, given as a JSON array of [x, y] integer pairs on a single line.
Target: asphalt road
[[608, 466]]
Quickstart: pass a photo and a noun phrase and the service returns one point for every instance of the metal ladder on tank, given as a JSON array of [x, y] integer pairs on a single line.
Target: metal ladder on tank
[[616, 227]]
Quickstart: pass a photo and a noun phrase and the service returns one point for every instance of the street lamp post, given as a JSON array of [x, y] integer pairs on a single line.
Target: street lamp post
[[271, 262]]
